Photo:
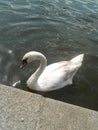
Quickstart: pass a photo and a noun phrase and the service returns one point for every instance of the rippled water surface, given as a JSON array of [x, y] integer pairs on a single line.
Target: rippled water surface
[[60, 29]]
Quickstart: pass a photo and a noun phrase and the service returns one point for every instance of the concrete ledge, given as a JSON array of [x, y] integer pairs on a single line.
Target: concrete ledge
[[20, 110]]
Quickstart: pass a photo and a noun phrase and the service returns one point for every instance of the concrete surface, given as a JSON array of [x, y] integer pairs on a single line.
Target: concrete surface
[[20, 110]]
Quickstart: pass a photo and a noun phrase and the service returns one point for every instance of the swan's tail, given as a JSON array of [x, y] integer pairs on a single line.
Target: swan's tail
[[77, 59], [76, 62]]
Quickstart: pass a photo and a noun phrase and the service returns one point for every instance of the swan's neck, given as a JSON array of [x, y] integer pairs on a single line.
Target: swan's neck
[[32, 81]]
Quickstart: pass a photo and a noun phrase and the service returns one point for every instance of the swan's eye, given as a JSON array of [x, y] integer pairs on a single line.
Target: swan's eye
[[24, 63]]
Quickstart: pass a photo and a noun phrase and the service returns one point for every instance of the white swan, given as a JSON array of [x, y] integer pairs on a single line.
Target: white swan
[[53, 76]]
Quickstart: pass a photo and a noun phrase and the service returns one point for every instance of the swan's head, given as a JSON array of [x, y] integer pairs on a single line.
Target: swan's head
[[29, 57]]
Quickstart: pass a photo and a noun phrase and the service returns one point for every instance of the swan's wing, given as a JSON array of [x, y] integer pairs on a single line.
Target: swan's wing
[[55, 66], [55, 75]]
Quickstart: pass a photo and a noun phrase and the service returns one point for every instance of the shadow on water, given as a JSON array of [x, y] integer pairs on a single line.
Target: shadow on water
[[60, 30]]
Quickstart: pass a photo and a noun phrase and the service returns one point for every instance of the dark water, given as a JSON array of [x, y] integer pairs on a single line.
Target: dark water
[[60, 29]]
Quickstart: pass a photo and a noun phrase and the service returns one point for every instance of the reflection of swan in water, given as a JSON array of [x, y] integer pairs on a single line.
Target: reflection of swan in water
[[52, 77]]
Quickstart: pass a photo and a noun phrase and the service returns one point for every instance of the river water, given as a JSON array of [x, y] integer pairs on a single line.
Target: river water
[[60, 29]]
